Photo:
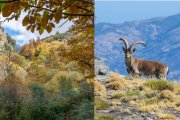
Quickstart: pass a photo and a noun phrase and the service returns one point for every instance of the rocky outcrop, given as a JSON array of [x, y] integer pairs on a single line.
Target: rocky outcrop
[[3, 39], [102, 71]]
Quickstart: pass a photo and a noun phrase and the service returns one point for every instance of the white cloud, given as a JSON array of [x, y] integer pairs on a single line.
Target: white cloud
[[24, 36]]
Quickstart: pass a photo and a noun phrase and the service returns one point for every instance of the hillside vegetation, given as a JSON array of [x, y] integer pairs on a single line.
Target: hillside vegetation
[[121, 97], [48, 80]]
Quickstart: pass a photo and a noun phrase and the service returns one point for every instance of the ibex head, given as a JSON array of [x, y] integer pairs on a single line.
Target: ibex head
[[129, 50]]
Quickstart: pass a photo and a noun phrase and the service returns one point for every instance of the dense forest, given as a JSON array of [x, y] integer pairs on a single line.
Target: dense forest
[[50, 78]]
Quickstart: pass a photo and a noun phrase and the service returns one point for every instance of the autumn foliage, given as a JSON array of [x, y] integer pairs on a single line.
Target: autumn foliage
[[55, 74], [44, 15]]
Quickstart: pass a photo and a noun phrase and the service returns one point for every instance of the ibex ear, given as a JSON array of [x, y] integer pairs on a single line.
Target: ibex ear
[[134, 50], [124, 49]]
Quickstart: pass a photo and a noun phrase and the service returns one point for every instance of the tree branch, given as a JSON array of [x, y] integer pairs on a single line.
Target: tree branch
[[68, 5], [69, 14], [83, 9], [63, 24], [9, 1], [42, 8]]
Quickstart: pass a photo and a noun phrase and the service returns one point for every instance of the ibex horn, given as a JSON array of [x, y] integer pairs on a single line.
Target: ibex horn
[[125, 42]]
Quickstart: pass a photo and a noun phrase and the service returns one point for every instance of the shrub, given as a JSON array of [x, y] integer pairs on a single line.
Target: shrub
[[165, 116], [50, 74], [76, 76], [18, 59], [85, 111], [151, 94], [167, 94], [127, 99], [58, 36], [151, 101], [159, 85], [178, 104], [103, 117], [117, 95], [68, 104], [132, 93], [116, 82], [115, 85], [101, 104], [99, 89], [64, 80], [67, 87]]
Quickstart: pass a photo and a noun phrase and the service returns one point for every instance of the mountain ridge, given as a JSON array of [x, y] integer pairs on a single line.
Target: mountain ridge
[[161, 35]]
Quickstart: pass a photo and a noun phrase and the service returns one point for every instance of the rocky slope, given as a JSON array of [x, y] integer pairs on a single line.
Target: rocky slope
[[160, 34], [122, 98]]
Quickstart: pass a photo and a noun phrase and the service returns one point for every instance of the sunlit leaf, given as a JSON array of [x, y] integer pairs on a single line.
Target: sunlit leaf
[[25, 20]]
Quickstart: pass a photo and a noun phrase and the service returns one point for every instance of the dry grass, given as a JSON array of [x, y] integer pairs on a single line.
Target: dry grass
[[162, 115], [148, 108], [99, 89], [148, 95], [100, 117], [159, 85], [117, 95], [167, 94], [115, 82], [178, 103], [101, 104]]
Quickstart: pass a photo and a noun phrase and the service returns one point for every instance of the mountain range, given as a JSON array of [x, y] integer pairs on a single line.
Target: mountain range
[[161, 34]]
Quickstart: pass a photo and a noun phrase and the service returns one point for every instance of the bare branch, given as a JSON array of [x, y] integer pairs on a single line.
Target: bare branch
[[69, 14], [63, 24]]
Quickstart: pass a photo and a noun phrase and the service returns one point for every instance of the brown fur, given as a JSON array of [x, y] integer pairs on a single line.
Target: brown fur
[[138, 67], [148, 68]]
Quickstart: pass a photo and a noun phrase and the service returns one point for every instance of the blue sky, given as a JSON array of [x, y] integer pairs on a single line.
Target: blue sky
[[22, 36], [121, 11]]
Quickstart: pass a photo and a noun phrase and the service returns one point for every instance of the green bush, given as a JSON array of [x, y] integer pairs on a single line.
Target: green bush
[[117, 95], [132, 93], [85, 110], [50, 74], [159, 85], [103, 117], [58, 36], [101, 104], [178, 104]]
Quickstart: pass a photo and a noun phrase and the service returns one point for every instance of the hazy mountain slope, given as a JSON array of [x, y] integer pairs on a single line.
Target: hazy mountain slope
[[162, 36]]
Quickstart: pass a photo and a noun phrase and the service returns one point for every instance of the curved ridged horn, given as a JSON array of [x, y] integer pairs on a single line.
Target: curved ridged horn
[[136, 43], [125, 42]]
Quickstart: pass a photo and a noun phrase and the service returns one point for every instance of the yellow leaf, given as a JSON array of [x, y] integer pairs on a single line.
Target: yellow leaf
[[32, 20], [58, 16], [49, 28], [25, 21], [52, 25], [32, 29], [28, 27], [6, 11], [41, 31], [24, 3]]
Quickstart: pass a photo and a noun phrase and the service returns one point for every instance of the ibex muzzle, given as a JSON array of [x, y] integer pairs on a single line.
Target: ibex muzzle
[[138, 67]]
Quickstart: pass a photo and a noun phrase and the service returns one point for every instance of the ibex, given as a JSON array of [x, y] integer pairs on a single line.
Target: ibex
[[138, 67]]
